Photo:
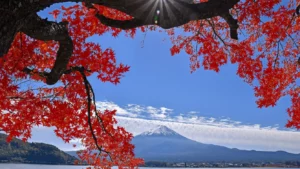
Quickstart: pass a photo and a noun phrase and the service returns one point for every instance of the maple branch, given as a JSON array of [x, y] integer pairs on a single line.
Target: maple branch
[[89, 89], [293, 40], [56, 94], [215, 32], [172, 13], [277, 55], [233, 24], [23, 98], [42, 29], [53, 96], [21, 16], [95, 110], [89, 109], [45, 74], [22, 82], [127, 24]]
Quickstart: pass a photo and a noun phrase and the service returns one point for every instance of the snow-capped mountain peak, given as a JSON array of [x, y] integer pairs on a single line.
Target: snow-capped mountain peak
[[160, 130]]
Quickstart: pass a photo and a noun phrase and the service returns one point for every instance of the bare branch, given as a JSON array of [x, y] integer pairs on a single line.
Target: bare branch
[[88, 90], [277, 55], [215, 32]]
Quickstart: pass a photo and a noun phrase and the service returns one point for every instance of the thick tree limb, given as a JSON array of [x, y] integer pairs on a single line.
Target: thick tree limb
[[128, 24], [233, 24], [20, 15], [44, 74], [41, 29], [172, 13]]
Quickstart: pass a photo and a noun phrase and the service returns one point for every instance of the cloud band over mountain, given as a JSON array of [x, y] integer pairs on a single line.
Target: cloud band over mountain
[[225, 132]]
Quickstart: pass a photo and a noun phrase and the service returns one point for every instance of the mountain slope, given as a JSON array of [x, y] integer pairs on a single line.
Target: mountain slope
[[164, 144], [72, 153], [18, 151]]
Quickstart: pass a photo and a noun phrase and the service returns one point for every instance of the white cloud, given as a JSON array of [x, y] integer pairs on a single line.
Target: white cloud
[[226, 132], [134, 110], [164, 113], [165, 110], [112, 106], [158, 113], [192, 112]]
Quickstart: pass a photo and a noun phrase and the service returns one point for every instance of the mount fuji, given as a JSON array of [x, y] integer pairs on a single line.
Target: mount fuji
[[164, 144]]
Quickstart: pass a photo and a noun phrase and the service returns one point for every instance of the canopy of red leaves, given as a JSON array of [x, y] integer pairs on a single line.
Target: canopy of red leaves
[[266, 55]]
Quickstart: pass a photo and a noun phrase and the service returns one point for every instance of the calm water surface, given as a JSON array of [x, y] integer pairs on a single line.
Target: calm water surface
[[37, 166]]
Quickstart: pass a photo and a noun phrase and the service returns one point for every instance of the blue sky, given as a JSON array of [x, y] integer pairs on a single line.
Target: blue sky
[[217, 108], [160, 80]]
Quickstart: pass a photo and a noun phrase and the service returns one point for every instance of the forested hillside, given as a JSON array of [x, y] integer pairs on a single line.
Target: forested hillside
[[18, 151]]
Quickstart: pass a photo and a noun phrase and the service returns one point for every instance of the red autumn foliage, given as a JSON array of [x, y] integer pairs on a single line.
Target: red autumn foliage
[[266, 56]]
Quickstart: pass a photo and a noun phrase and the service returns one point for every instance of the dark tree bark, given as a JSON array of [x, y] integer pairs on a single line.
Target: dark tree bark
[[20, 16]]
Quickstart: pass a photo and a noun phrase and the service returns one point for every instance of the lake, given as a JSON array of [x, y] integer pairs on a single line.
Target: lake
[[38, 166]]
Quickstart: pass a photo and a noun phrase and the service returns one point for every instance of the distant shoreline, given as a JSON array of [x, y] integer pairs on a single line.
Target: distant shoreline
[[286, 164]]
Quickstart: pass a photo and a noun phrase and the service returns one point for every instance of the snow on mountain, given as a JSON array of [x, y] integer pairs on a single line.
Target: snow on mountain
[[160, 130]]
